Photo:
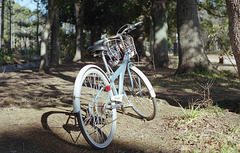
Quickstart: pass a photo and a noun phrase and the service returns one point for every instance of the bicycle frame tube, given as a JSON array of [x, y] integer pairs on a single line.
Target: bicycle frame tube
[[118, 73], [130, 75], [96, 97]]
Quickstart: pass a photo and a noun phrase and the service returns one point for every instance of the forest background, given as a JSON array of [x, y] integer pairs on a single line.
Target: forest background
[[60, 32]]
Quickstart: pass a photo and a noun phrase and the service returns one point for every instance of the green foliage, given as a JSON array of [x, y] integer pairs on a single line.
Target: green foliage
[[228, 143], [172, 21], [67, 41], [203, 70], [23, 22], [216, 109], [5, 58], [216, 8], [67, 12], [203, 73], [214, 25], [109, 15], [192, 112], [23, 32], [218, 34], [106, 16]]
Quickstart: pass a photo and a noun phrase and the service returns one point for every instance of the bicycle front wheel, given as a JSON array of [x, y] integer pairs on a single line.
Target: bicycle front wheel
[[96, 122], [140, 93]]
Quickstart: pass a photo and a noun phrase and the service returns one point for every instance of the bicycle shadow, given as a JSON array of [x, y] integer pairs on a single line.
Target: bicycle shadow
[[63, 126], [129, 114]]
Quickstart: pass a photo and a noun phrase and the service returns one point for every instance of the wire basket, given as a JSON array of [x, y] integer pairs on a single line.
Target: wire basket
[[116, 49], [130, 46], [114, 54]]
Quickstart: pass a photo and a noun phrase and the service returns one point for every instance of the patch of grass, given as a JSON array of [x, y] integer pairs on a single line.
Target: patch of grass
[[201, 130], [192, 112], [203, 73], [229, 75], [228, 141], [206, 134], [217, 110], [200, 72]]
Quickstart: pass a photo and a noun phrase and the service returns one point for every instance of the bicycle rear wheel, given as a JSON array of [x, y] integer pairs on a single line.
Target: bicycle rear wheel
[[141, 93], [96, 122]]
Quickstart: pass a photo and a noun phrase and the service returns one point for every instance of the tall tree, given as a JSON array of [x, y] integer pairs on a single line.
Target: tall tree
[[10, 24], [38, 19], [191, 49], [55, 45], [79, 14], [22, 27], [160, 27], [44, 65], [2, 23], [233, 7]]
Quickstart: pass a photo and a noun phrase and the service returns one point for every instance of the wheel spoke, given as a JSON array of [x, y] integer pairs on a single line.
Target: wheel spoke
[[139, 95], [94, 117]]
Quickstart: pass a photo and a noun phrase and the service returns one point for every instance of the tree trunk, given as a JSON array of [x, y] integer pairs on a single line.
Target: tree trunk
[[79, 13], [95, 33], [151, 42], [233, 7], [2, 24], [191, 49], [10, 31], [139, 43], [160, 27], [44, 65], [38, 11], [55, 45]]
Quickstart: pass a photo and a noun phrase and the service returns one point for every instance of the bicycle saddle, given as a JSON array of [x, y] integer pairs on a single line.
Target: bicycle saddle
[[97, 50]]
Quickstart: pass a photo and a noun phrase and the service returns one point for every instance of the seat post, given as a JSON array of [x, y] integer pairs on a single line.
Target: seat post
[[105, 63]]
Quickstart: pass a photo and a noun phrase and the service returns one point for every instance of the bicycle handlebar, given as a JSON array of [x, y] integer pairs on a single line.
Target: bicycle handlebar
[[129, 28], [138, 23]]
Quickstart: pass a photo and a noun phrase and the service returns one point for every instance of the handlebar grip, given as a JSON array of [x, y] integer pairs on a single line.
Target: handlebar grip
[[127, 28], [138, 23], [98, 42]]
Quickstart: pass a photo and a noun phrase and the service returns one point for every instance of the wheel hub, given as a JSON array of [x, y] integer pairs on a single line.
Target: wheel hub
[[96, 108]]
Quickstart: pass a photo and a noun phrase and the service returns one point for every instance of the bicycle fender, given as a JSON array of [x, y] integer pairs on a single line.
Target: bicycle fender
[[145, 79], [77, 88]]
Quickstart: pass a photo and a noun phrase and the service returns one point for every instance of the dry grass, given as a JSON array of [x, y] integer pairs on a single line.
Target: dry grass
[[208, 132]]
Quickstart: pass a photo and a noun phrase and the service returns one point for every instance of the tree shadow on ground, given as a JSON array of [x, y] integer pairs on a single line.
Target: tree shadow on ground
[[225, 92], [39, 141], [36, 90], [59, 71], [57, 135]]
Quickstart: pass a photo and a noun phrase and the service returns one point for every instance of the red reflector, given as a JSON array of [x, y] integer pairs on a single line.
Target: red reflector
[[107, 88]]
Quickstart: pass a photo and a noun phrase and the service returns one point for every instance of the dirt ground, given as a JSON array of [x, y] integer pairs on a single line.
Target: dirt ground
[[35, 107]]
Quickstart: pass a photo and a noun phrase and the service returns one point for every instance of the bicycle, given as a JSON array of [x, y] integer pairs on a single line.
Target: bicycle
[[96, 97]]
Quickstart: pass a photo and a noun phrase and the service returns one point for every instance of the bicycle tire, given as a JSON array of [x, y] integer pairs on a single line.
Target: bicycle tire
[[141, 93], [97, 124]]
